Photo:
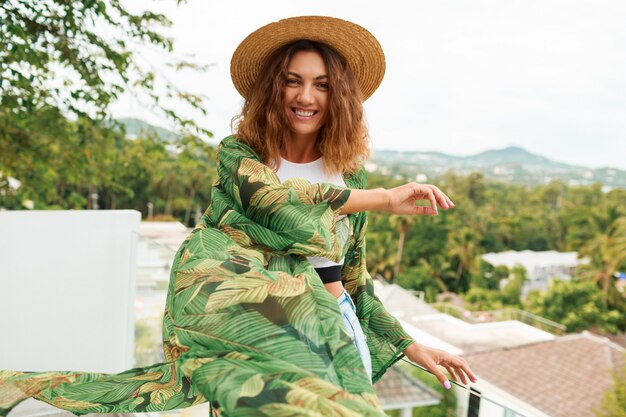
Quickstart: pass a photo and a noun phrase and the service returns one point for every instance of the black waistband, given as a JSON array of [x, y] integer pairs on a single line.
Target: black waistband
[[330, 273]]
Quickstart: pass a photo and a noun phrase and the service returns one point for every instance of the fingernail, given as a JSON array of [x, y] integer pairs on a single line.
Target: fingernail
[[447, 385]]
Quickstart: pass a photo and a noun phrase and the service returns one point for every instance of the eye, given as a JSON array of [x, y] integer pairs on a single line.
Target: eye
[[292, 81], [323, 86]]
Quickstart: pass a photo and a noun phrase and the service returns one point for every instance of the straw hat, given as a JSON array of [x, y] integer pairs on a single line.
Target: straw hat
[[358, 46]]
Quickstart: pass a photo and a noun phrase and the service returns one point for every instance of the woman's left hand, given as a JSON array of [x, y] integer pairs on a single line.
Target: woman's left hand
[[431, 358]]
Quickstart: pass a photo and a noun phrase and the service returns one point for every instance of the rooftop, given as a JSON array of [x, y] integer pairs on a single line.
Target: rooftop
[[480, 337], [530, 259], [426, 324], [564, 377], [404, 302]]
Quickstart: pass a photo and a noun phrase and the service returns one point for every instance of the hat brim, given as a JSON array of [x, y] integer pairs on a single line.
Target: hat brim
[[358, 46]]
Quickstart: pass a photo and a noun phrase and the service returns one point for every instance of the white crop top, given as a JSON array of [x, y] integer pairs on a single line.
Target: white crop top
[[314, 173]]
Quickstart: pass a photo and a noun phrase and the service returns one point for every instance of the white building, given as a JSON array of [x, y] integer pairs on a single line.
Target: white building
[[541, 266]]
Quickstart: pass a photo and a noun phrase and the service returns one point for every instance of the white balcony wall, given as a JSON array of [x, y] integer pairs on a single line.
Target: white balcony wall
[[67, 288]]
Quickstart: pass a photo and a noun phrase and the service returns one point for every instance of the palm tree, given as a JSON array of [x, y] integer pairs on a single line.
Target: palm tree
[[606, 251], [463, 244], [402, 224], [439, 269], [380, 258]]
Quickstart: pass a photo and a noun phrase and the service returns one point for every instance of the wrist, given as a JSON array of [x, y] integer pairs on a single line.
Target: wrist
[[412, 348], [383, 199], [375, 199]]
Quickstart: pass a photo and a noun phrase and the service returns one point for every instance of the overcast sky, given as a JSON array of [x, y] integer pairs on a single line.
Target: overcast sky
[[462, 76]]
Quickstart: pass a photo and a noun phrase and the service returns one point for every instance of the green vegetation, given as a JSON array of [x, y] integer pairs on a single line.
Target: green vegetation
[[442, 253], [80, 56], [577, 305], [62, 163], [62, 63], [614, 402]]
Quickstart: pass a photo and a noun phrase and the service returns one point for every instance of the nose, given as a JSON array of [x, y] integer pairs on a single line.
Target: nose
[[305, 97]]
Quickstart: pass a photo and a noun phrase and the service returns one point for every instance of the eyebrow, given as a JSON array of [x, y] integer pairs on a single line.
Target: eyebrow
[[300, 76]]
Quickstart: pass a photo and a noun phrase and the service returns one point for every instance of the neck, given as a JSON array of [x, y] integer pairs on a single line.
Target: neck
[[300, 149]]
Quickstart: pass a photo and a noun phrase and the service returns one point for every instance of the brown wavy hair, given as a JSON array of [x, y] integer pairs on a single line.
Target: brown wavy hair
[[343, 139]]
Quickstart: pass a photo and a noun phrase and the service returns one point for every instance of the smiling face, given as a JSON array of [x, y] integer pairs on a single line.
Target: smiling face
[[306, 94]]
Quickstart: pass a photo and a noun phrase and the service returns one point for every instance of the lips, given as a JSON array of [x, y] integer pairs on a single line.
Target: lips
[[304, 114]]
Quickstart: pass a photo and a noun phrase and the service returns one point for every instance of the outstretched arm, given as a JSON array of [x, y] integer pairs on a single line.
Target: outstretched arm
[[398, 200]]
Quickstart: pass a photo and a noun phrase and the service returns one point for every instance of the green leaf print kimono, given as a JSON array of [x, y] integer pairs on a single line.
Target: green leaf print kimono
[[248, 324]]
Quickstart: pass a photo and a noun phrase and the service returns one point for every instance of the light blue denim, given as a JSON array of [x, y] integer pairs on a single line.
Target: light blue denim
[[348, 312]]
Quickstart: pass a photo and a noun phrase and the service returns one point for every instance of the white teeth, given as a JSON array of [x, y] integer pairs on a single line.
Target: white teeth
[[304, 113]]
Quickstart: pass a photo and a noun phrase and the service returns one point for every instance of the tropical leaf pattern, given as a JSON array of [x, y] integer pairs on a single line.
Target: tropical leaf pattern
[[248, 325]]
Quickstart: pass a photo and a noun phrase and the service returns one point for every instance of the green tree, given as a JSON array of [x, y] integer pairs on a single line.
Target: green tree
[[62, 63], [488, 276], [380, 254], [614, 401], [481, 299], [577, 305], [402, 224], [428, 277], [195, 165], [463, 245], [79, 56], [606, 250]]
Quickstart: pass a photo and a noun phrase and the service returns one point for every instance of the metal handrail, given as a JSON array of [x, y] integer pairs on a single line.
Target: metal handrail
[[471, 392], [500, 315]]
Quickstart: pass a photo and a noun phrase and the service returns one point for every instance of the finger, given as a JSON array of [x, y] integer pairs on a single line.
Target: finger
[[431, 197], [461, 375], [451, 372], [425, 210], [443, 199], [443, 380], [424, 192], [453, 365], [463, 370], [468, 371], [441, 196]]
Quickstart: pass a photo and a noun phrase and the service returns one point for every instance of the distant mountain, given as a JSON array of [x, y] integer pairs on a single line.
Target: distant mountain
[[135, 127], [512, 155], [512, 164]]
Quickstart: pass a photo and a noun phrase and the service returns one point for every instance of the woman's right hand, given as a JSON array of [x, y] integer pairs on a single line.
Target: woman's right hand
[[403, 199]]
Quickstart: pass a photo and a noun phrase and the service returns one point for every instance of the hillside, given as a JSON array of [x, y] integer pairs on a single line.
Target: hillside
[[512, 164]]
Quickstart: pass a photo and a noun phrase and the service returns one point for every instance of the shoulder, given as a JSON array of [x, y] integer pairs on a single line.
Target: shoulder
[[357, 179], [234, 146]]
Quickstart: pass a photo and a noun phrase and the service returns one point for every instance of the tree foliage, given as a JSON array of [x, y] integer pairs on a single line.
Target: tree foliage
[[614, 401], [74, 164], [79, 56], [62, 64], [577, 305], [443, 253]]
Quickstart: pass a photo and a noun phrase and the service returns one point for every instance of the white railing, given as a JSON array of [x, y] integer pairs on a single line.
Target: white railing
[[501, 315]]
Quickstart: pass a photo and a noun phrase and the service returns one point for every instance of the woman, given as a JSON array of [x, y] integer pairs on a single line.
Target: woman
[[270, 310]]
